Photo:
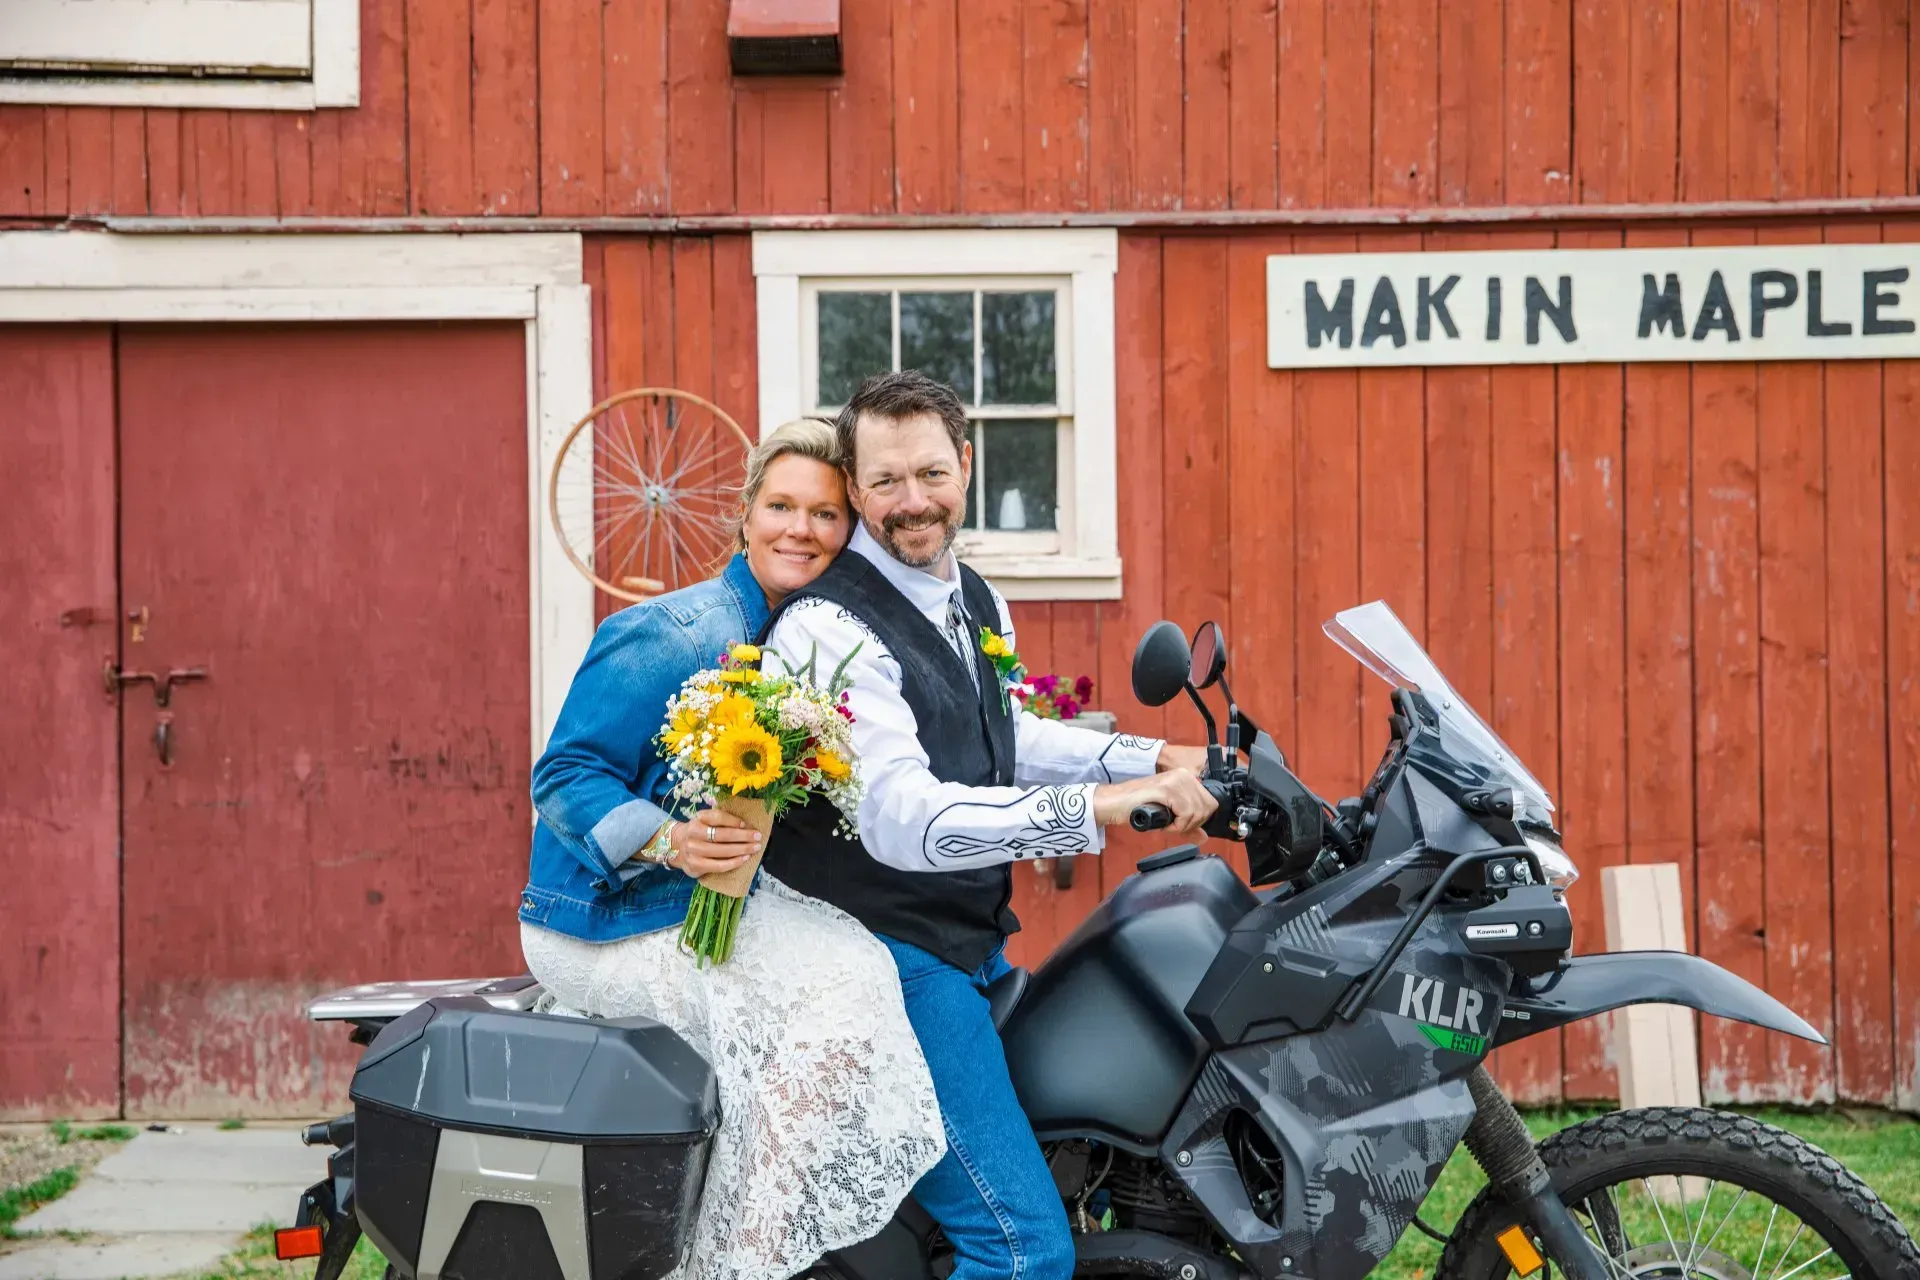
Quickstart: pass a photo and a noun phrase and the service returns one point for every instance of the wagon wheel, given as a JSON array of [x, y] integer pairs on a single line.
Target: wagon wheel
[[642, 492]]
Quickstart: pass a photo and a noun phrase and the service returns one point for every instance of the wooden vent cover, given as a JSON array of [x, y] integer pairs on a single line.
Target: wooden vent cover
[[784, 37]]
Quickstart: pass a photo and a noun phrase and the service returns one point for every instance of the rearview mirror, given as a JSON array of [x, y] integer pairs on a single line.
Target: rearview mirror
[[1209, 656], [1160, 665]]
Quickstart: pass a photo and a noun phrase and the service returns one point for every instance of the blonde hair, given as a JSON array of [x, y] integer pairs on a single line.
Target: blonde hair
[[802, 438]]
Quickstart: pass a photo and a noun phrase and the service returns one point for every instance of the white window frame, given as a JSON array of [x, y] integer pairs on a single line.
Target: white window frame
[[325, 73], [71, 277], [975, 544], [788, 267]]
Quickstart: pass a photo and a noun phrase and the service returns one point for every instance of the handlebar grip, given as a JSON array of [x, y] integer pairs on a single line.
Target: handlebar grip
[[1150, 817]]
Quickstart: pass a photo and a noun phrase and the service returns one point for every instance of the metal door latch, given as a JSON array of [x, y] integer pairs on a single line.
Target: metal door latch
[[114, 679]]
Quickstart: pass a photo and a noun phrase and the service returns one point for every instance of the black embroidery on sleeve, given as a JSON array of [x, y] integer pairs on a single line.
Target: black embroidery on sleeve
[[1054, 817]]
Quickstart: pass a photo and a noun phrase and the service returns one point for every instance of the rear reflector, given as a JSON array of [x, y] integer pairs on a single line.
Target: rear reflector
[[296, 1242], [1520, 1251]]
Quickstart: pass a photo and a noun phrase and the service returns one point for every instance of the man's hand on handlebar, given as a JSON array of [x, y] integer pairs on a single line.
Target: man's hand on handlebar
[[1177, 790]]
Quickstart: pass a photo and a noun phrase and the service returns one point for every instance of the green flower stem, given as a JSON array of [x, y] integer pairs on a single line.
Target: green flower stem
[[713, 920]]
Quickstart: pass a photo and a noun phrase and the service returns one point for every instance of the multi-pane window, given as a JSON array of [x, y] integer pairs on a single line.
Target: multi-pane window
[[1020, 322], [1003, 346]]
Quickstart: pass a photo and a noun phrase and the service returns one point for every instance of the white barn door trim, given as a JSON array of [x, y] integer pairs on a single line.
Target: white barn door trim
[[50, 277]]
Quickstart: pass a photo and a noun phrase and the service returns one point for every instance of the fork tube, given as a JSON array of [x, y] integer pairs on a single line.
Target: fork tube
[[1500, 1143]]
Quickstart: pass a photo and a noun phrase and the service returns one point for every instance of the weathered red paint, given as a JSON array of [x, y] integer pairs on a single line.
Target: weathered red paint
[[1609, 594], [575, 108], [59, 752], [333, 521]]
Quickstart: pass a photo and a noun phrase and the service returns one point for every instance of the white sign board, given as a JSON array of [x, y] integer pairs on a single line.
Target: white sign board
[[1573, 306]]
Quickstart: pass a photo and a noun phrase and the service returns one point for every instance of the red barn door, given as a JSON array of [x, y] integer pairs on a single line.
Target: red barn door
[[59, 748], [332, 522]]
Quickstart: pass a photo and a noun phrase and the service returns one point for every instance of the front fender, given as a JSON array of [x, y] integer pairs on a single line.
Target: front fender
[[1595, 984]]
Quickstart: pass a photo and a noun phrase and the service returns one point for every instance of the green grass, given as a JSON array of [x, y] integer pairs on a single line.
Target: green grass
[[254, 1260], [20, 1201], [64, 1132], [1883, 1150], [233, 1124]]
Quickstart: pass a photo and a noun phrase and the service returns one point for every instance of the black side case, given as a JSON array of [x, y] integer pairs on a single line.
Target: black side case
[[634, 1096]]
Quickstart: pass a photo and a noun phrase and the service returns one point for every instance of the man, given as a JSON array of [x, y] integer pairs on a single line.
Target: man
[[961, 784]]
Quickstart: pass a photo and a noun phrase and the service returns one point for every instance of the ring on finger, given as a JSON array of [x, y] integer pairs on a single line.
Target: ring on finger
[[709, 835]]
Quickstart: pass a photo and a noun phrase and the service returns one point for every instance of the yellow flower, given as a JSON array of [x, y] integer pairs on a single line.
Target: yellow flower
[[740, 675], [746, 653], [833, 767], [685, 723], [745, 757], [731, 709], [994, 647]]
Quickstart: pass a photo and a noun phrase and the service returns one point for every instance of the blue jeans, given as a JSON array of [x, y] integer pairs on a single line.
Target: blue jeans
[[992, 1193]]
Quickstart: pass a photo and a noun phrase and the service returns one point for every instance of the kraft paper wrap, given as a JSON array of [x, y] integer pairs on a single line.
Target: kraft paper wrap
[[734, 883]]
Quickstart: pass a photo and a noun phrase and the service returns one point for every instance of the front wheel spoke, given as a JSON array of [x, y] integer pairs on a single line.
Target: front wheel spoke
[[1654, 1196], [1827, 1252], [1708, 1246], [1603, 1219], [1798, 1229]]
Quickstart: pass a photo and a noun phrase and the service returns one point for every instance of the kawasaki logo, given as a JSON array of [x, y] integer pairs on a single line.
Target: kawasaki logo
[[1431, 1001], [479, 1189]]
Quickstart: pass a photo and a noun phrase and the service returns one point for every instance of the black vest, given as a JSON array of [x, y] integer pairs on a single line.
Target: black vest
[[959, 916]]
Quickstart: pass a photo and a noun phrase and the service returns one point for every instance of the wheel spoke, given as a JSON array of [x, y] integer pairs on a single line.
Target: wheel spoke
[[1603, 1220], [1693, 1235], [1653, 1196], [1786, 1253], [1708, 1246], [1809, 1262]]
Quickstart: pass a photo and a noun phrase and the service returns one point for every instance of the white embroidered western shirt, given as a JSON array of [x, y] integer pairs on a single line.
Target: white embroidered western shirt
[[910, 819]]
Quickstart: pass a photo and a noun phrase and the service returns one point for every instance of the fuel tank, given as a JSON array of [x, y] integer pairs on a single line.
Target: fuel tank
[[1101, 1045]]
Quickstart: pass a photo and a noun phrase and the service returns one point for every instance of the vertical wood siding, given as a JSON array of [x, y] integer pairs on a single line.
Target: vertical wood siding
[[583, 107], [1688, 596]]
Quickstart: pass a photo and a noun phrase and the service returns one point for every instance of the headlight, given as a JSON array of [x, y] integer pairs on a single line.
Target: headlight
[[1557, 866]]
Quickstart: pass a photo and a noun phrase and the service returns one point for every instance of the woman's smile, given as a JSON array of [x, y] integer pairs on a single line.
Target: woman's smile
[[798, 522]]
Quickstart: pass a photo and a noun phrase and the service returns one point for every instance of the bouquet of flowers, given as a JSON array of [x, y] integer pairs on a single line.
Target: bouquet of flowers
[[755, 746]]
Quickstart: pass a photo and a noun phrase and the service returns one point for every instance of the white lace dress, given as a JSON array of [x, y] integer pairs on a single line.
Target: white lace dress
[[828, 1115]]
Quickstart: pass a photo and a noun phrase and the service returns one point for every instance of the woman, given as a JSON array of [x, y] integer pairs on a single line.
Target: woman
[[828, 1115]]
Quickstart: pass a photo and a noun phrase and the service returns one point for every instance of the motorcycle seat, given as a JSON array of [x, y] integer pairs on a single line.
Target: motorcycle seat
[[1003, 993]]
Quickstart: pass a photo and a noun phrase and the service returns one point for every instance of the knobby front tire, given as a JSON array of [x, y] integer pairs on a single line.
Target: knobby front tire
[[1608, 1170]]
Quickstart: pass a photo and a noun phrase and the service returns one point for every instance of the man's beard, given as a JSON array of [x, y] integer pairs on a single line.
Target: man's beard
[[886, 534]]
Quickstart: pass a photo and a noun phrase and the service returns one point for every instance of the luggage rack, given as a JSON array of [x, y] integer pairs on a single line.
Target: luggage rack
[[376, 1002]]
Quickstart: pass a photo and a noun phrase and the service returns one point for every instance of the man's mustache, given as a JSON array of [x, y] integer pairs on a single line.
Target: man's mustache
[[928, 519]]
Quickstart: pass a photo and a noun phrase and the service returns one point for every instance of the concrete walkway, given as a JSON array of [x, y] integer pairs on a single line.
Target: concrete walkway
[[170, 1202]]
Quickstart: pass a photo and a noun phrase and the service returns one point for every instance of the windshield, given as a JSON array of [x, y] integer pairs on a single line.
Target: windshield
[[1385, 647]]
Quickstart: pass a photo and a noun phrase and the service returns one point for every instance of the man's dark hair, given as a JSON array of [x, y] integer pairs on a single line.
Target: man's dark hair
[[906, 394]]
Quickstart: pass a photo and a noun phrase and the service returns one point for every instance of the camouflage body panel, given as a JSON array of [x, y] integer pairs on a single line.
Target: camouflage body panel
[[1364, 1113]]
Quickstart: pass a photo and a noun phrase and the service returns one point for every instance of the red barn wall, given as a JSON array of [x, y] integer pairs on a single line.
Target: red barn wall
[[1635, 572], [574, 108], [1690, 597]]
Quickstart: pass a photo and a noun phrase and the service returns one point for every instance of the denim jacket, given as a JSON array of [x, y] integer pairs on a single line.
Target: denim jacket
[[600, 789]]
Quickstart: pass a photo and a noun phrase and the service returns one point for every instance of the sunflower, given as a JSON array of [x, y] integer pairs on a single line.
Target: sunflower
[[832, 767], [733, 708], [745, 756]]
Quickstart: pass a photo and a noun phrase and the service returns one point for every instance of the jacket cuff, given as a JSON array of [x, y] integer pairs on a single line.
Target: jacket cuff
[[618, 836]]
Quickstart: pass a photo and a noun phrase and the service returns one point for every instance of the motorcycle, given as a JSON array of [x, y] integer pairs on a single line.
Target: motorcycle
[[1229, 1080]]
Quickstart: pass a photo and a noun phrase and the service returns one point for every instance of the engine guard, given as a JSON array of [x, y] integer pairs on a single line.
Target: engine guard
[[1595, 984]]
